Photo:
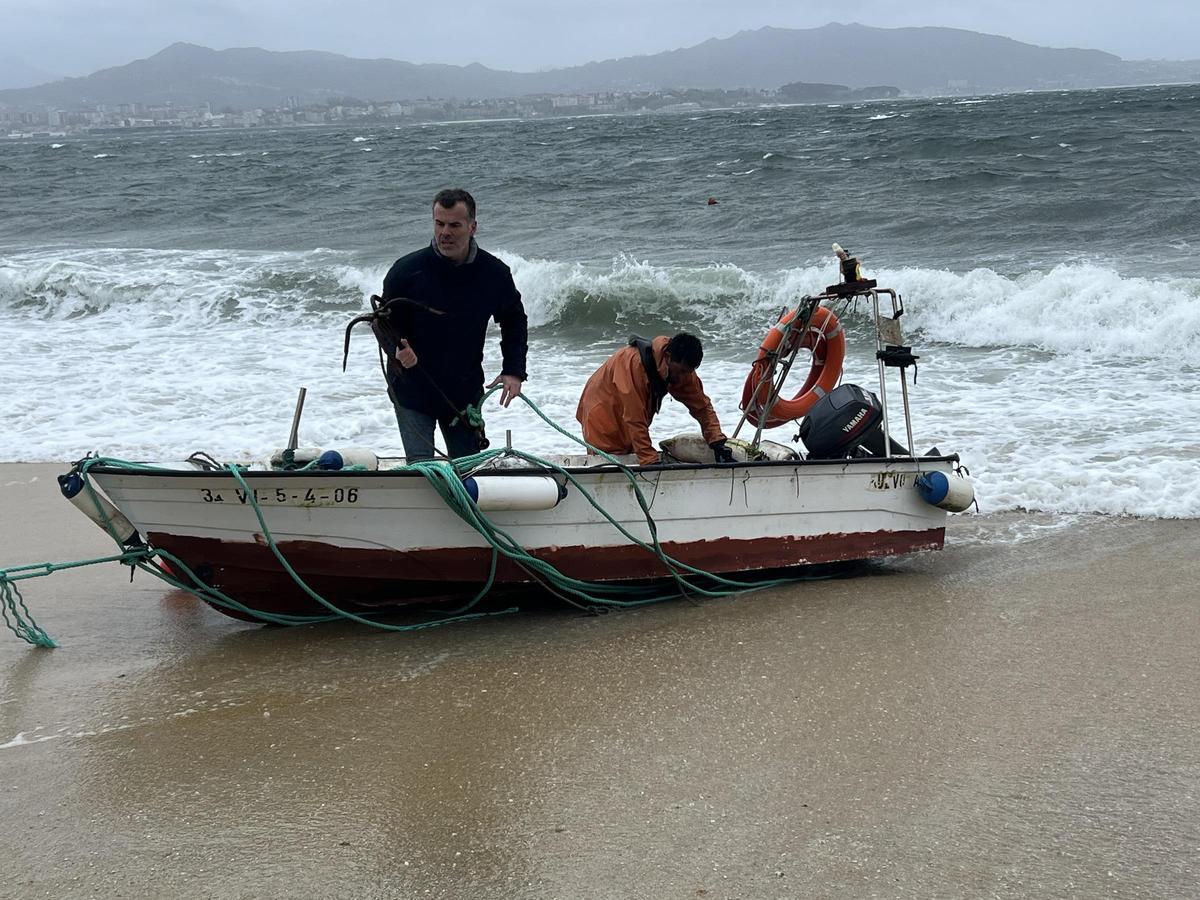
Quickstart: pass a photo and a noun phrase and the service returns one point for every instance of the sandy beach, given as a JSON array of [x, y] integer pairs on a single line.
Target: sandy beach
[[1015, 716]]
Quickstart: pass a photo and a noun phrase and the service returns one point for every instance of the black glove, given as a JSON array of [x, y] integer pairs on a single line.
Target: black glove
[[722, 453]]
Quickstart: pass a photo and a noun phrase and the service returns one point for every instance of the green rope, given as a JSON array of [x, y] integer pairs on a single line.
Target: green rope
[[452, 490], [145, 559], [473, 414], [12, 605], [446, 478], [195, 585], [337, 612], [17, 616]]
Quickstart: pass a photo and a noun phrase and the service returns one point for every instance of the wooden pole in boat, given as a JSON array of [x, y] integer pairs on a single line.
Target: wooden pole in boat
[[294, 437]]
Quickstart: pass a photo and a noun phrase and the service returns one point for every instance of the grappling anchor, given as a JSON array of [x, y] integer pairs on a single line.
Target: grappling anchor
[[380, 320]]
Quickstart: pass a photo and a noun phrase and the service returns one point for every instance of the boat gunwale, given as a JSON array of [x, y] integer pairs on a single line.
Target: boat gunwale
[[606, 468]]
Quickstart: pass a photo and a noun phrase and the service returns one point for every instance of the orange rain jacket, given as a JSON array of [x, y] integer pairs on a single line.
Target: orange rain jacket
[[615, 408]]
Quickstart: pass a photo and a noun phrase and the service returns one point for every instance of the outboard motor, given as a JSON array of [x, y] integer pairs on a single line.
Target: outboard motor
[[848, 421]]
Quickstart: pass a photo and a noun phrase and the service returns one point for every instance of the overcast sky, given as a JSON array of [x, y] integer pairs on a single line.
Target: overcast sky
[[75, 37]]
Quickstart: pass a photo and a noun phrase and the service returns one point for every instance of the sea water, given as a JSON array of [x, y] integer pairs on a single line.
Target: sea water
[[168, 292]]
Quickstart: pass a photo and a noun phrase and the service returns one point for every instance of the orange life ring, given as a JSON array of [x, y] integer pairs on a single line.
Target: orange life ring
[[826, 338]]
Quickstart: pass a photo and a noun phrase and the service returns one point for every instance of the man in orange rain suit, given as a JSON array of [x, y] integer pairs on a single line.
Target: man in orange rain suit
[[620, 399]]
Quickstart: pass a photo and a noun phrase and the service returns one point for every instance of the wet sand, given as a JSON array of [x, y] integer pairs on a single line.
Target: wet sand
[[1016, 716]]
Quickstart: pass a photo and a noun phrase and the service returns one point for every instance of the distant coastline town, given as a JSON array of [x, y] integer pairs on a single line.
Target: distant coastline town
[[188, 86], [49, 121]]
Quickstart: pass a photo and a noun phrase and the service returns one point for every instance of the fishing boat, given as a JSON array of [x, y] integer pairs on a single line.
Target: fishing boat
[[388, 534]]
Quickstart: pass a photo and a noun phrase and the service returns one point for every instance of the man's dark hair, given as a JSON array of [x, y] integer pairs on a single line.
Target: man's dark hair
[[449, 197], [686, 348]]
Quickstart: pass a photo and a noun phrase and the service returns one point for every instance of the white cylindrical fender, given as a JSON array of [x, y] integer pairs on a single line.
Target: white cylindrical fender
[[950, 492], [97, 507], [499, 492]]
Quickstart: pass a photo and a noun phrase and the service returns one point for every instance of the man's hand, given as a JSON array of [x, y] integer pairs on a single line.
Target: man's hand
[[406, 355], [511, 385], [721, 453]]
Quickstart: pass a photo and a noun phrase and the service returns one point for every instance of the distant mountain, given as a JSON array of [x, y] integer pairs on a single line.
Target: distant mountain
[[17, 73], [917, 60], [188, 75]]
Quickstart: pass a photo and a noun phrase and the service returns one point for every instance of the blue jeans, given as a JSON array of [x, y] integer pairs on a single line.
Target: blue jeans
[[416, 432]]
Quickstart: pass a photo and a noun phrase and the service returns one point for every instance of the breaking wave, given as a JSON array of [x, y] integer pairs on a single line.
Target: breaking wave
[[1069, 310]]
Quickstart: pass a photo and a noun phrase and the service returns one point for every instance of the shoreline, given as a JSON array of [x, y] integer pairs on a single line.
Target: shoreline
[[1014, 714], [51, 530]]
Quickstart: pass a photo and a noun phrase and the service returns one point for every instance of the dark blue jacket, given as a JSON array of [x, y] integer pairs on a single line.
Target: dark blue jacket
[[449, 347]]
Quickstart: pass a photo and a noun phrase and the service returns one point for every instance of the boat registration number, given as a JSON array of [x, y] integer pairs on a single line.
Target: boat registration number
[[889, 481], [282, 496]]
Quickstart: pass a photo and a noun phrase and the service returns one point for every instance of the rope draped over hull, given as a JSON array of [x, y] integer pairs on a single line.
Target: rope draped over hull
[[446, 478]]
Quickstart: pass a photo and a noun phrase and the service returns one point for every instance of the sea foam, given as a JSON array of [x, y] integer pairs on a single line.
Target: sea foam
[[1066, 391]]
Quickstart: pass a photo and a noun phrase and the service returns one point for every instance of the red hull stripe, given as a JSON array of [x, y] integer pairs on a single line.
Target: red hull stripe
[[250, 573]]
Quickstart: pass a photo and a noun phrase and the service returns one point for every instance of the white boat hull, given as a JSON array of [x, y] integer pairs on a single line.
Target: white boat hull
[[387, 537]]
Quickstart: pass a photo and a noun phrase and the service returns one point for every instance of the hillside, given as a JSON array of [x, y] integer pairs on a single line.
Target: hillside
[[917, 60]]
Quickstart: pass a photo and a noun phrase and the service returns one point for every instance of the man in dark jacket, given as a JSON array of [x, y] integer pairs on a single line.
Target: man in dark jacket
[[435, 346]]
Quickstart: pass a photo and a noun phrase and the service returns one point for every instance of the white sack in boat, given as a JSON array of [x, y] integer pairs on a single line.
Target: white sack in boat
[[772, 450], [692, 448]]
